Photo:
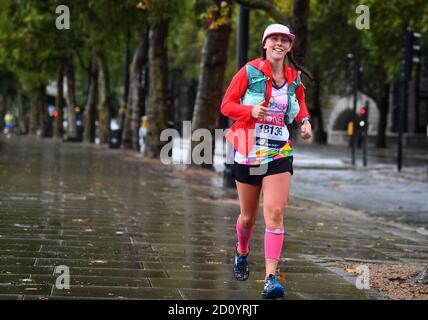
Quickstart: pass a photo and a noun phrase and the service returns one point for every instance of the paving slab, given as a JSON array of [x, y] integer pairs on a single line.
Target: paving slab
[[131, 228]]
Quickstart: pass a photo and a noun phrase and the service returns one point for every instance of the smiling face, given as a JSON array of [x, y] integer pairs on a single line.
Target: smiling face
[[277, 46]]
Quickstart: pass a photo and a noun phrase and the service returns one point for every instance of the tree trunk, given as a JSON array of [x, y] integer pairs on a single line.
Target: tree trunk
[[124, 110], [158, 87], [91, 104], [135, 104], [43, 117], [210, 85], [126, 71], [383, 117], [299, 26], [59, 104], [21, 117], [104, 97], [71, 100], [320, 134], [33, 115], [183, 98], [2, 111]]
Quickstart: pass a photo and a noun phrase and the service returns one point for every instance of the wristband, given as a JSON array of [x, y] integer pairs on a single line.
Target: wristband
[[304, 119]]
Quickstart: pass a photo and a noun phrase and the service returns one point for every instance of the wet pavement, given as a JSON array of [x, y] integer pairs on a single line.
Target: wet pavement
[[374, 191], [132, 228], [378, 189]]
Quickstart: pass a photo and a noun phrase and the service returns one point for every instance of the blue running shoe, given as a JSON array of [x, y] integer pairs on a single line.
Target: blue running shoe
[[273, 288], [240, 268]]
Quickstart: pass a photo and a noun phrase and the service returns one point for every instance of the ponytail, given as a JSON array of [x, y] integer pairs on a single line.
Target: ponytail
[[298, 66]]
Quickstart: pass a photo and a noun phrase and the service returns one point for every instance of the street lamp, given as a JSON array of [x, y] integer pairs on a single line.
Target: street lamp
[[242, 57], [409, 55], [357, 83]]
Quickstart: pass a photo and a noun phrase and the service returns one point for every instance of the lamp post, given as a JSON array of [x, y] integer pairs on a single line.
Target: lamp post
[[242, 57]]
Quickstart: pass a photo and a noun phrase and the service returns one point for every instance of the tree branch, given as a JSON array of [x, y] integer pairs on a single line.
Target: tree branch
[[267, 6], [81, 61]]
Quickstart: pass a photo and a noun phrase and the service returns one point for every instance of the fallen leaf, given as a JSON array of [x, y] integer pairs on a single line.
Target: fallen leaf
[[282, 276], [98, 261], [422, 231]]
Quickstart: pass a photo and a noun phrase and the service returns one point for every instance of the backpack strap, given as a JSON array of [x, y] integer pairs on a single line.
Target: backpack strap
[[255, 77], [297, 82], [254, 73]]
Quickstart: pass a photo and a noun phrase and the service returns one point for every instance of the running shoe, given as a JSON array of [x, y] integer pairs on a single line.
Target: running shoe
[[273, 288], [240, 268]]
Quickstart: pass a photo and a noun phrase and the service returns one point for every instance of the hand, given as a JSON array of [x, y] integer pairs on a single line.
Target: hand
[[306, 130], [259, 111]]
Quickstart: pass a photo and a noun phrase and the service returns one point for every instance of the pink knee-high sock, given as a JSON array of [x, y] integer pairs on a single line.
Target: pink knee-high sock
[[273, 243], [244, 236]]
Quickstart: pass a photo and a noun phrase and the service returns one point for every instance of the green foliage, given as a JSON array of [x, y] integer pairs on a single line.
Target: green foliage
[[214, 13], [32, 47], [185, 40], [333, 34], [382, 42], [162, 9]]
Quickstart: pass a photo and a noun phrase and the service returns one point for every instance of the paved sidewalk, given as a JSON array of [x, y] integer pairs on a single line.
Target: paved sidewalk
[[131, 228]]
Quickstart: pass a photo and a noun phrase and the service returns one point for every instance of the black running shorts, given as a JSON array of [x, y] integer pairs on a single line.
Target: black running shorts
[[254, 174]]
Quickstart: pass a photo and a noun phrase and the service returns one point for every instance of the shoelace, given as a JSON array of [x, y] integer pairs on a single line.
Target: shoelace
[[242, 262], [273, 280]]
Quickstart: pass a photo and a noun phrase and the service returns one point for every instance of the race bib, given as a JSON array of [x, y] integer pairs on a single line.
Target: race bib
[[270, 135]]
